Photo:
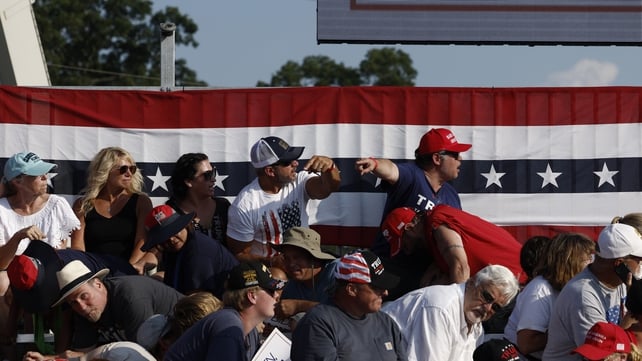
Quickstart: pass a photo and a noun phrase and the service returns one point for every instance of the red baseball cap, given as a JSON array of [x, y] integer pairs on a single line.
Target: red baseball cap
[[604, 339], [162, 223], [23, 272], [394, 225], [438, 139], [33, 277]]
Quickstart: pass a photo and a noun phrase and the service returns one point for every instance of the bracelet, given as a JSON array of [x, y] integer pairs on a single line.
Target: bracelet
[[331, 168], [376, 164]]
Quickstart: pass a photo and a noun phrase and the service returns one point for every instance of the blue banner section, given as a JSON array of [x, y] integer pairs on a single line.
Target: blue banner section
[[497, 176]]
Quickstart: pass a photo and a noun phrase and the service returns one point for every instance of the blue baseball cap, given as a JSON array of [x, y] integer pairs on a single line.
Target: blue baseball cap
[[26, 163]]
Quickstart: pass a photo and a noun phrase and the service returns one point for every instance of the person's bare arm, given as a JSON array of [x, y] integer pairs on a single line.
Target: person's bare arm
[[8, 250], [380, 167], [78, 236], [327, 182], [290, 307], [529, 341], [451, 247], [141, 260], [243, 253], [66, 355], [241, 250]]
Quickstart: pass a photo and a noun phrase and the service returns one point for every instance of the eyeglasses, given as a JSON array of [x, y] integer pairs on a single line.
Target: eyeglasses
[[452, 154], [124, 168], [208, 175], [488, 299]]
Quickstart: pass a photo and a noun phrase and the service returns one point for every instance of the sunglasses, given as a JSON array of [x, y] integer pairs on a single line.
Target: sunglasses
[[488, 299], [124, 168], [208, 175], [269, 292], [451, 154]]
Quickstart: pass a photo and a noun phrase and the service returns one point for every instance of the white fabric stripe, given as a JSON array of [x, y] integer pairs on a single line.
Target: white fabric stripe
[[353, 267], [364, 209], [334, 140]]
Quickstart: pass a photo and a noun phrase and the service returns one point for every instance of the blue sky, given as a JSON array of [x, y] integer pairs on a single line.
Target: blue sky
[[243, 41]]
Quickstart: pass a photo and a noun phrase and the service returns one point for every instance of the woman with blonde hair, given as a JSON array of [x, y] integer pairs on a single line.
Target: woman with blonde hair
[[563, 257], [112, 209]]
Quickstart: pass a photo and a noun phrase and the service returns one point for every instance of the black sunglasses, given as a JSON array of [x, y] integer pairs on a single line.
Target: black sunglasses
[[282, 163], [124, 168], [489, 300], [269, 292], [449, 153], [208, 175]]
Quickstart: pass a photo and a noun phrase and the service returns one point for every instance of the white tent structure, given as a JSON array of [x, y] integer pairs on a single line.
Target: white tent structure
[[22, 61]]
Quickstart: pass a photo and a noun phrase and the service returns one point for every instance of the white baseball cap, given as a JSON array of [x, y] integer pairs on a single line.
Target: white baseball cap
[[619, 240]]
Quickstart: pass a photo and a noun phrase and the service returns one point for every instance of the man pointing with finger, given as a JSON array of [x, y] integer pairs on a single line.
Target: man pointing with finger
[[277, 199]]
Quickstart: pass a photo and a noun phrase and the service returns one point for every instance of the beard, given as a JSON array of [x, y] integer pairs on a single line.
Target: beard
[[93, 315]]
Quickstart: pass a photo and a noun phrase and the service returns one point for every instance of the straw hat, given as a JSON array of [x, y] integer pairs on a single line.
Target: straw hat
[[74, 275]]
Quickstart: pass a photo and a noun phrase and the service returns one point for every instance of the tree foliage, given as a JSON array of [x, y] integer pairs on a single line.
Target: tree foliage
[[110, 42], [386, 66]]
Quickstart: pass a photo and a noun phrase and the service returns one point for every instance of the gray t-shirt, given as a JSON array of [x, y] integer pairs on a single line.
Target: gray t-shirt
[[582, 302], [328, 333]]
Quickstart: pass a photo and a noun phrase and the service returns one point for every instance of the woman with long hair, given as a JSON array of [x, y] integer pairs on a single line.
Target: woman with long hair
[[112, 209], [563, 257], [193, 181]]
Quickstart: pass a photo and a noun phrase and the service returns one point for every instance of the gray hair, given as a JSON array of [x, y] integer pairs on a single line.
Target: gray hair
[[500, 277]]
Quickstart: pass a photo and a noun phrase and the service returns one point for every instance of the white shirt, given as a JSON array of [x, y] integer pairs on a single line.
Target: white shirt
[[259, 217], [433, 323], [56, 220], [532, 310]]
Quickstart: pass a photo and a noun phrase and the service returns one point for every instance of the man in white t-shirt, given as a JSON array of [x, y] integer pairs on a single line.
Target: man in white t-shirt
[[277, 199]]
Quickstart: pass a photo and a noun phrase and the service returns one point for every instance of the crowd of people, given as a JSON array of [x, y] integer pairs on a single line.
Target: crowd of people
[[200, 278]]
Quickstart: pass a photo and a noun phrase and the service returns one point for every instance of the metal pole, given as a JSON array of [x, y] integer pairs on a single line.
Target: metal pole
[[168, 56]]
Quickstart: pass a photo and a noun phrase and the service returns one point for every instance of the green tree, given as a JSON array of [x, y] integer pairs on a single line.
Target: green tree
[[317, 70], [110, 42], [385, 66]]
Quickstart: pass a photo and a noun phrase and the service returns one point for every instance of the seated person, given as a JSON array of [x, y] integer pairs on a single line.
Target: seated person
[[159, 332], [108, 309], [460, 243], [310, 272], [566, 255], [230, 334], [192, 261], [352, 326]]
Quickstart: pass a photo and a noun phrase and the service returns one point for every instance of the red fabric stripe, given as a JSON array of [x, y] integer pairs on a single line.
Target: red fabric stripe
[[231, 108]]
